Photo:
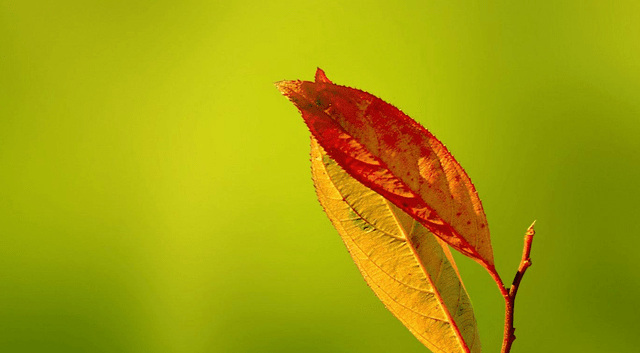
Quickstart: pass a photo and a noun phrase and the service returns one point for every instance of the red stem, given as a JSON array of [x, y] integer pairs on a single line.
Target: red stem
[[510, 294]]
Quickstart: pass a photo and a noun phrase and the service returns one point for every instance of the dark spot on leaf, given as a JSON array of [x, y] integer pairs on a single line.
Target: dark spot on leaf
[[415, 241], [359, 221]]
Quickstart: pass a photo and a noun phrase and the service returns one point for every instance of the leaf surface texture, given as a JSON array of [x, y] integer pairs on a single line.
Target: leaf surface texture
[[384, 149], [409, 269]]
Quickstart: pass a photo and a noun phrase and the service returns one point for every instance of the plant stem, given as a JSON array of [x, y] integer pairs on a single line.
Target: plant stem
[[496, 277], [510, 296]]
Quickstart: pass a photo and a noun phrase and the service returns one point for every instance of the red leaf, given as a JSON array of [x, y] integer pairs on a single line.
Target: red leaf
[[384, 149]]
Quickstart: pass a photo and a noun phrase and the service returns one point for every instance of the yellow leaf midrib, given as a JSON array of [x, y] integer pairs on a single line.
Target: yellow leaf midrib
[[426, 274]]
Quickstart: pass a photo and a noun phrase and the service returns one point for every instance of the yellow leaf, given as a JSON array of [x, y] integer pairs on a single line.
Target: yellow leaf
[[409, 269]]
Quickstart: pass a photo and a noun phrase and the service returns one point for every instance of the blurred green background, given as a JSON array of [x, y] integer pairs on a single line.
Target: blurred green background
[[155, 192]]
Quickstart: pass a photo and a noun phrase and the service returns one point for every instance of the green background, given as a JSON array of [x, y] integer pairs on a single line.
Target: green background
[[155, 192]]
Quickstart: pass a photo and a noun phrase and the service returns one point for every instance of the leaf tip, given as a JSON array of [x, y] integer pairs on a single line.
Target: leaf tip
[[287, 87], [321, 76]]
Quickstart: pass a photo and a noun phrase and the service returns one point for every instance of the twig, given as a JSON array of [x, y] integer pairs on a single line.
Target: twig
[[510, 299]]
